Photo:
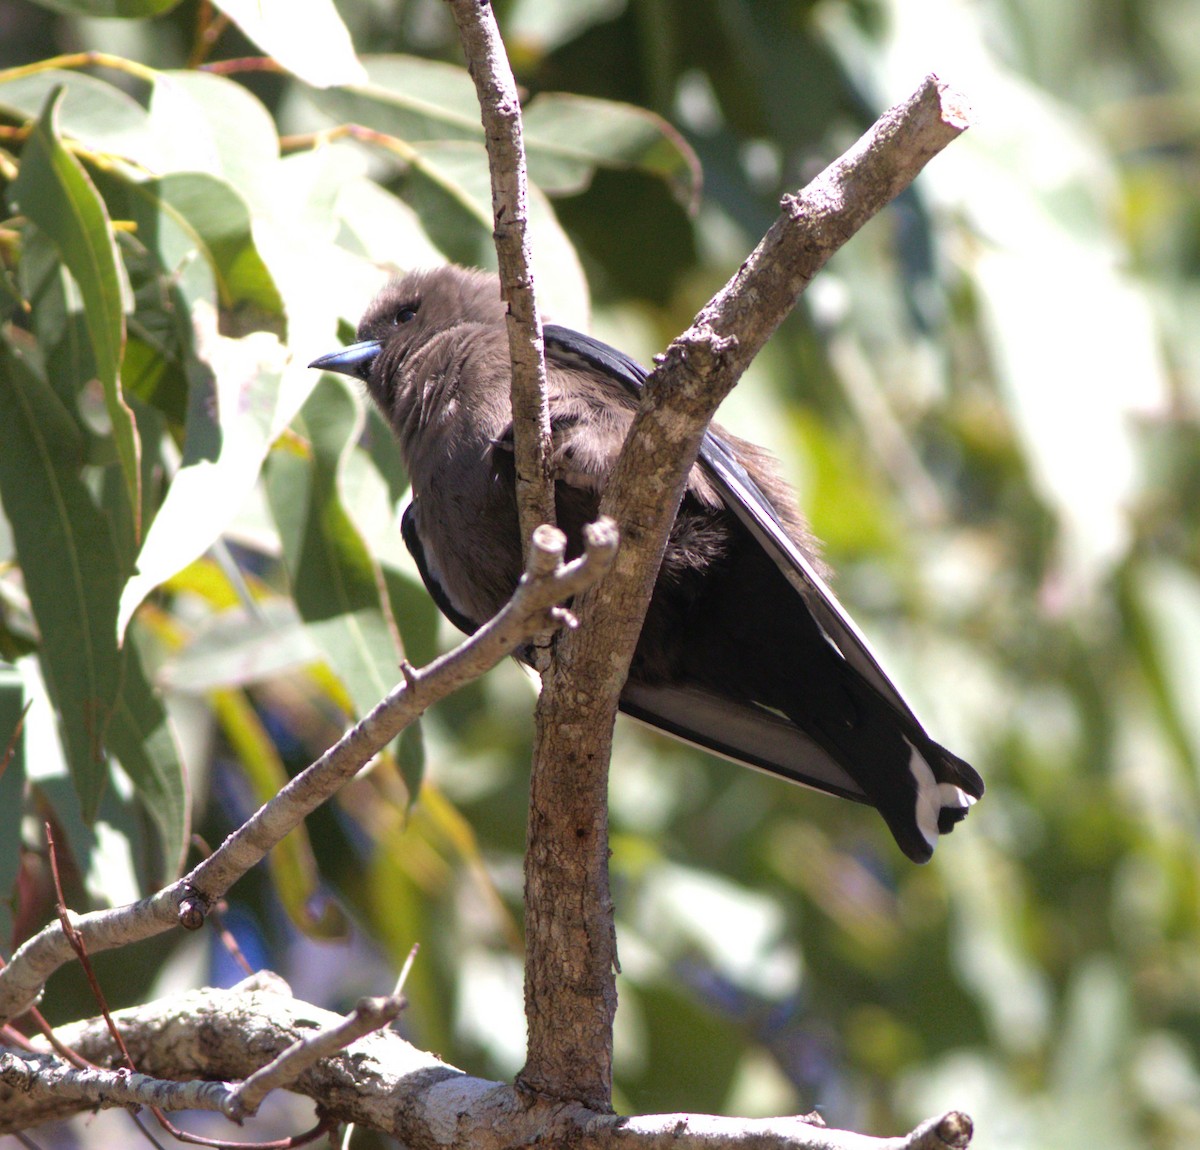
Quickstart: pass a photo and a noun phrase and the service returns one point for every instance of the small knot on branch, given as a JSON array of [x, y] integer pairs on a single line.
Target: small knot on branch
[[955, 1129], [192, 912]]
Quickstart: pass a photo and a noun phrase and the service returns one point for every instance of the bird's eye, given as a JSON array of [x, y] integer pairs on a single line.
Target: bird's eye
[[405, 314]]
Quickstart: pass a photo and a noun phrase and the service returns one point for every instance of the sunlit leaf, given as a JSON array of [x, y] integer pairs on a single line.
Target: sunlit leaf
[[566, 137], [233, 404], [241, 646], [101, 116], [216, 125], [192, 216], [450, 187], [307, 37]]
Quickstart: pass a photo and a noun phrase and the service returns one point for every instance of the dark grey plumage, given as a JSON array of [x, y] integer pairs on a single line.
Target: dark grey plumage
[[744, 649]]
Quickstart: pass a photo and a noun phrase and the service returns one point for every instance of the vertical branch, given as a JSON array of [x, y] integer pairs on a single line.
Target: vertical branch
[[570, 948], [500, 109]]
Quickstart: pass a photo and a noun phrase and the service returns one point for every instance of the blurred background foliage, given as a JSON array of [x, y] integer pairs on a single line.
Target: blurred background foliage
[[988, 404]]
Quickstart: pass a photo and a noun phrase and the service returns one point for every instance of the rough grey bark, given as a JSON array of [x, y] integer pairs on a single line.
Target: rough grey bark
[[380, 1081], [570, 945]]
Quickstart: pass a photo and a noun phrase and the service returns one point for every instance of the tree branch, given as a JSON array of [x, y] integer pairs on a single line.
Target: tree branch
[[568, 903], [500, 109], [531, 611], [380, 1081]]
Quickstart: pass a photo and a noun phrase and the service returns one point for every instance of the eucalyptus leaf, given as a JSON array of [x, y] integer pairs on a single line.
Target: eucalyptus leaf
[[566, 137], [70, 567], [307, 37], [55, 192], [99, 115], [143, 740], [123, 9], [335, 582], [233, 396]]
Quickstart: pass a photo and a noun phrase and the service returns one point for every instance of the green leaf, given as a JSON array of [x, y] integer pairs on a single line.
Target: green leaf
[[238, 647], [451, 189], [142, 738], [55, 192], [233, 399], [97, 114], [69, 563], [307, 37], [56, 316], [409, 98], [218, 126], [335, 582], [12, 781], [124, 9], [191, 217], [566, 137]]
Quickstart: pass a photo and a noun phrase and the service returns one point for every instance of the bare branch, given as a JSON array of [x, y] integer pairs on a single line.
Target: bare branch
[[369, 1015], [500, 108], [531, 611], [381, 1082], [48, 1082], [568, 902]]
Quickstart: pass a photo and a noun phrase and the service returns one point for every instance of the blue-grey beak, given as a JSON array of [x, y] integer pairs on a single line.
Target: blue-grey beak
[[354, 360]]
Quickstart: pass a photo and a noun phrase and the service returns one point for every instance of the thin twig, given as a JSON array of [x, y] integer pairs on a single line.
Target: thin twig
[[500, 110], [531, 610], [368, 1015]]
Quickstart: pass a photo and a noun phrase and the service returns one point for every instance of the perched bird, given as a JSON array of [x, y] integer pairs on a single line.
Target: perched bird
[[744, 650]]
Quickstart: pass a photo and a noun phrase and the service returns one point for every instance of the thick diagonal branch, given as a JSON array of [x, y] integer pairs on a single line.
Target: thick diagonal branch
[[570, 1008]]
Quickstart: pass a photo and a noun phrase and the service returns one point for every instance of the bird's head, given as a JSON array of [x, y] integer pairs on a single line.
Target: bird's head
[[406, 314]]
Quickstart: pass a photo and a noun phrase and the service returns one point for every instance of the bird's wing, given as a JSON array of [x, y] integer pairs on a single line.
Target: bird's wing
[[744, 498], [742, 732], [411, 533]]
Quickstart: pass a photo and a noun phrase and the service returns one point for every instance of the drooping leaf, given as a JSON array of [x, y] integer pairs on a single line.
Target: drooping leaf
[[233, 396], [335, 582], [56, 193], [142, 738], [70, 566]]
